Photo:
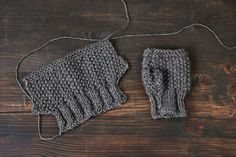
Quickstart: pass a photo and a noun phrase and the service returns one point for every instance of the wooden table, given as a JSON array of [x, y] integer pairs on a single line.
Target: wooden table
[[128, 130]]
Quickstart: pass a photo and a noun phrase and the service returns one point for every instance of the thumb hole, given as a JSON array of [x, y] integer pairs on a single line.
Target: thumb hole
[[156, 77], [156, 80]]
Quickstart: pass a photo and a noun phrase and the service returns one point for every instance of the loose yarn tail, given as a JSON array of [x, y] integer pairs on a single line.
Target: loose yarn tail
[[40, 132], [126, 23], [177, 32]]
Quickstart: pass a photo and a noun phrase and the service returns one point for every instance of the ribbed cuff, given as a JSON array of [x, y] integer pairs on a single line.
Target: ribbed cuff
[[80, 107], [168, 105]]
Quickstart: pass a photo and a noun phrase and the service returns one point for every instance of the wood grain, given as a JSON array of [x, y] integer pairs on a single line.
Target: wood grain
[[127, 130]]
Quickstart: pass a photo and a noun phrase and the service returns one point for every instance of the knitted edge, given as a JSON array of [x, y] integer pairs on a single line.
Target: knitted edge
[[81, 51]]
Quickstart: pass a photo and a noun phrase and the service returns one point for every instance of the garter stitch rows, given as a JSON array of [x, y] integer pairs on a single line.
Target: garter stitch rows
[[166, 79], [80, 85]]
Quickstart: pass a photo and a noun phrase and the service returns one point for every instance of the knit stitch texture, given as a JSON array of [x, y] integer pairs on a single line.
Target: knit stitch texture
[[82, 84], [166, 79]]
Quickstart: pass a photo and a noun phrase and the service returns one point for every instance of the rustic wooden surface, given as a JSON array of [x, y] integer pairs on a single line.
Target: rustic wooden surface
[[128, 130]]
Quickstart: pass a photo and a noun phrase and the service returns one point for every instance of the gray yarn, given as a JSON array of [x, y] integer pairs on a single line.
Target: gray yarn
[[80, 85], [166, 79]]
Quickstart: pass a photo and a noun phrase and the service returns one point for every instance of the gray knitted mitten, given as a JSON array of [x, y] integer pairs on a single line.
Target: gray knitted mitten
[[80, 85], [166, 79]]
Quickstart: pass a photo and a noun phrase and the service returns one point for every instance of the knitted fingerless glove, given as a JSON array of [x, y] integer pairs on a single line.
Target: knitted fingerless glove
[[80, 85], [166, 79]]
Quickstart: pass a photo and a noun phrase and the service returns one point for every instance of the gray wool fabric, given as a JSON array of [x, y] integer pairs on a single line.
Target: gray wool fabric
[[166, 79], [82, 84]]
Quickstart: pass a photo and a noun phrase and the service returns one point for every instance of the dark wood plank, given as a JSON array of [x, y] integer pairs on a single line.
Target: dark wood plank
[[108, 135], [127, 130]]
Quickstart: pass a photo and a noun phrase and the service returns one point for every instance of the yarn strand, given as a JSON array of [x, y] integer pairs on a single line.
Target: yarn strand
[[177, 32], [40, 132], [125, 25]]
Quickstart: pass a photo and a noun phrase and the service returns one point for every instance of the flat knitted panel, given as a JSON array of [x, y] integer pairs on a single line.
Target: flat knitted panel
[[80, 85], [166, 79]]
